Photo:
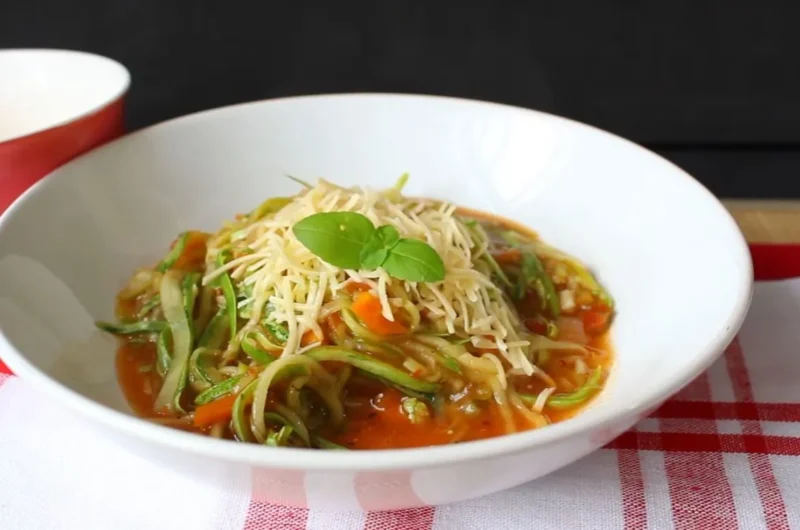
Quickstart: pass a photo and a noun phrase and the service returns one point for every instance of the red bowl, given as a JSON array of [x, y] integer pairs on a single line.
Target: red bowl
[[55, 105]]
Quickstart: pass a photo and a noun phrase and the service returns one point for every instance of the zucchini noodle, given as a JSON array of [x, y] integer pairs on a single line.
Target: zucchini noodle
[[248, 334]]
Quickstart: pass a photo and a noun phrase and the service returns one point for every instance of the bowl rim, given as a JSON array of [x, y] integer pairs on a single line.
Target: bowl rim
[[389, 459], [100, 105]]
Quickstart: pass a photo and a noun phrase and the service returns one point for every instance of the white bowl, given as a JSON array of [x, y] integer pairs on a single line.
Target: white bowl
[[666, 249]]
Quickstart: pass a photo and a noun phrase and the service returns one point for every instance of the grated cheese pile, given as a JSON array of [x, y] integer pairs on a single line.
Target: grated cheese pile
[[292, 286]]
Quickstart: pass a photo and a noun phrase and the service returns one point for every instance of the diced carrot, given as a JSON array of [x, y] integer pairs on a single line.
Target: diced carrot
[[194, 253], [310, 337], [595, 322], [334, 320], [507, 257], [215, 412], [601, 306], [356, 287], [368, 308]]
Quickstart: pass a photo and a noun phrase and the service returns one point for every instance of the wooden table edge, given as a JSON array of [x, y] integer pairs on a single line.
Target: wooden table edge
[[766, 221]]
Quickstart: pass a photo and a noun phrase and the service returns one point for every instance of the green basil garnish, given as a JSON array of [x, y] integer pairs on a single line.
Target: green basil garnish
[[335, 237], [375, 252], [349, 240]]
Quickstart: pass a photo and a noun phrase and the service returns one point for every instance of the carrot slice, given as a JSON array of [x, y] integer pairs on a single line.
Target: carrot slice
[[311, 337], [217, 411], [367, 307], [356, 287], [595, 322], [508, 257], [194, 253]]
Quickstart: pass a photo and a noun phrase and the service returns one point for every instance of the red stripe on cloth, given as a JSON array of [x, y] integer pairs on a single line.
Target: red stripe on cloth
[[387, 488], [634, 508], [688, 426], [760, 465], [266, 516], [410, 519], [277, 494], [674, 442], [689, 474], [3, 368], [699, 490], [737, 370], [706, 410]]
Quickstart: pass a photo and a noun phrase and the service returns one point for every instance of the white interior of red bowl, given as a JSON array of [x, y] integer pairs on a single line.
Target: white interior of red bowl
[[41, 88], [666, 249]]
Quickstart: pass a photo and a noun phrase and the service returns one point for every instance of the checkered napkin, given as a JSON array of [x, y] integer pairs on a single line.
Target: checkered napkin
[[724, 453]]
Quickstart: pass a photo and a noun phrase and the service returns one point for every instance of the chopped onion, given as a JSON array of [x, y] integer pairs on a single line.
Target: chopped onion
[[570, 329], [580, 366], [567, 300], [412, 365]]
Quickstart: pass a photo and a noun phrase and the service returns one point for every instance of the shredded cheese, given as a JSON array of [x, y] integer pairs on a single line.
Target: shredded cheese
[[541, 399], [299, 287]]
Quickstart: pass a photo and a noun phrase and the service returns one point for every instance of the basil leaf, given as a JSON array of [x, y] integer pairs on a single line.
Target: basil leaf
[[349, 240], [372, 258], [388, 235], [414, 261], [335, 237], [377, 248]]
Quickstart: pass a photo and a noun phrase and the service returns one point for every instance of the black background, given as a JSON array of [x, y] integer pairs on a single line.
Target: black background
[[714, 86]]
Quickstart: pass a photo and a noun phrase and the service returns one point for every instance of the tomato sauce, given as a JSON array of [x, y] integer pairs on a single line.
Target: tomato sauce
[[374, 415], [137, 375], [375, 420]]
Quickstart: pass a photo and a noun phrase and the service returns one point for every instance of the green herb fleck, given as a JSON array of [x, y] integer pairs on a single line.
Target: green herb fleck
[[416, 410], [280, 438], [278, 331], [300, 181]]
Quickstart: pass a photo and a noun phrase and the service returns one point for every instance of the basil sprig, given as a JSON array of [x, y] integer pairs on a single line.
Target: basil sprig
[[349, 240]]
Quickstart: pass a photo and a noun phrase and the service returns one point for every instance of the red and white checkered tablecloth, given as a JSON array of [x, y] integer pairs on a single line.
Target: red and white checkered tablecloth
[[724, 453]]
